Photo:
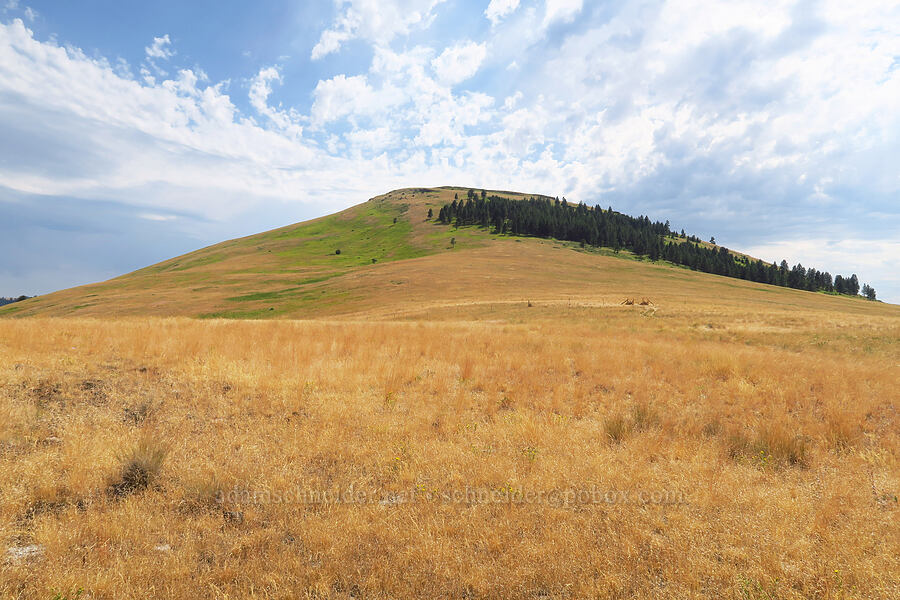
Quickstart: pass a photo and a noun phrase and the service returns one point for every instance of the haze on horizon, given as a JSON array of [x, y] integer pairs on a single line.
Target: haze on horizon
[[136, 132]]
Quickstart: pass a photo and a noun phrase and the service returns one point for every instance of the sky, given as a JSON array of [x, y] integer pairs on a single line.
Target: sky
[[131, 132]]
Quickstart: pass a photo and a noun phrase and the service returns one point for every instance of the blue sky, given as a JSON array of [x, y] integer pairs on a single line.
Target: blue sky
[[132, 132]]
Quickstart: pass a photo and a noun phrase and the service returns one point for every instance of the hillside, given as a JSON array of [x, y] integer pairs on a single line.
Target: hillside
[[482, 419], [393, 261]]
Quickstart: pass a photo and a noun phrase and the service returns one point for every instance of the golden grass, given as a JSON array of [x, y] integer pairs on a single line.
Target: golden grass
[[572, 449]]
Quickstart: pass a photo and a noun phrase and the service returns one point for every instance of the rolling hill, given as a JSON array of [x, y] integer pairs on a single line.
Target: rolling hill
[[385, 259]]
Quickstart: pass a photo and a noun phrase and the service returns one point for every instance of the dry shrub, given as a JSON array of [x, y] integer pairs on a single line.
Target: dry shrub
[[140, 467], [770, 445], [616, 427], [783, 446], [619, 426], [47, 500]]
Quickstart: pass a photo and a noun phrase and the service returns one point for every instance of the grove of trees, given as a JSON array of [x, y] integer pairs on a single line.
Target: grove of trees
[[554, 218], [4, 300]]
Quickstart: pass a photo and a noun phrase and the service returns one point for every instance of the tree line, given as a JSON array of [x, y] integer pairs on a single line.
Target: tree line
[[554, 218], [4, 300]]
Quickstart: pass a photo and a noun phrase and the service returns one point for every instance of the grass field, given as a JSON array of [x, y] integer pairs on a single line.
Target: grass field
[[484, 421]]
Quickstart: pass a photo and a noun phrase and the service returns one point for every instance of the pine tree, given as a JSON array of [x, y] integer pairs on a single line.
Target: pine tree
[[555, 218]]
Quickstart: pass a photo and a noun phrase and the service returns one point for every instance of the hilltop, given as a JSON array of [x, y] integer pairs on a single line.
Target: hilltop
[[387, 258]]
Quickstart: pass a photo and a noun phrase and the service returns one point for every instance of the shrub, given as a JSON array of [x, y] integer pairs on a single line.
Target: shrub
[[140, 467], [616, 428], [772, 445]]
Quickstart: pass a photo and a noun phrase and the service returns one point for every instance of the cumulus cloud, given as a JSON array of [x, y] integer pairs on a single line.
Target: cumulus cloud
[[497, 10], [377, 21], [287, 121], [459, 62], [561, 11], [160, 48], [343, 96], [511, 101]]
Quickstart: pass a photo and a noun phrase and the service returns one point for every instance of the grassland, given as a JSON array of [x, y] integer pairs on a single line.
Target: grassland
[[484, 421]]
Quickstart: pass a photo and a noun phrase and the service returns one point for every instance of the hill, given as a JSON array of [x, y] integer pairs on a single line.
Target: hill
[[386, 258], [478, 419]]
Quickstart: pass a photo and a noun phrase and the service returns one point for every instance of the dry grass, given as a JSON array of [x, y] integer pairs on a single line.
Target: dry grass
[[567, 450]]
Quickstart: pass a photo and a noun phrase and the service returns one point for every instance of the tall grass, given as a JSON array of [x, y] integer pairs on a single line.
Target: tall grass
[[566, 455]]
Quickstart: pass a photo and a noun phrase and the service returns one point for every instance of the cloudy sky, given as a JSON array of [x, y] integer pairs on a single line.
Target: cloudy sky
[[131, 132]]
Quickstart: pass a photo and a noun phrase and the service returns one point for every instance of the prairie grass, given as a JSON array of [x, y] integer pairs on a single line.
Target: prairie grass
[[574, 452]]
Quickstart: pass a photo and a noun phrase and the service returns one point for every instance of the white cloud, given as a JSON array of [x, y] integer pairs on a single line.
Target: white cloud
[[445, 121], [339, 97], [561, 11], [497, 10], [459, 62], [511, 101], [343, 96], [160, 48], [135, 141], [260, 90], [369, 141], [377, 21]]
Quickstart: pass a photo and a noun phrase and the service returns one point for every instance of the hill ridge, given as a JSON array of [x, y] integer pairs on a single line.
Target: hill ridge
[[385, 256]]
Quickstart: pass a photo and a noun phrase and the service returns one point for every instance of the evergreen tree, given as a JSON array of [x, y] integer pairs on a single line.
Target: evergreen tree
[[554, 218], [839, 284]]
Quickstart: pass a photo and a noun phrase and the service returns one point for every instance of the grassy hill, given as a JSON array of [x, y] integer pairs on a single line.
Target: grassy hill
[[393, 262], [478, 420]]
